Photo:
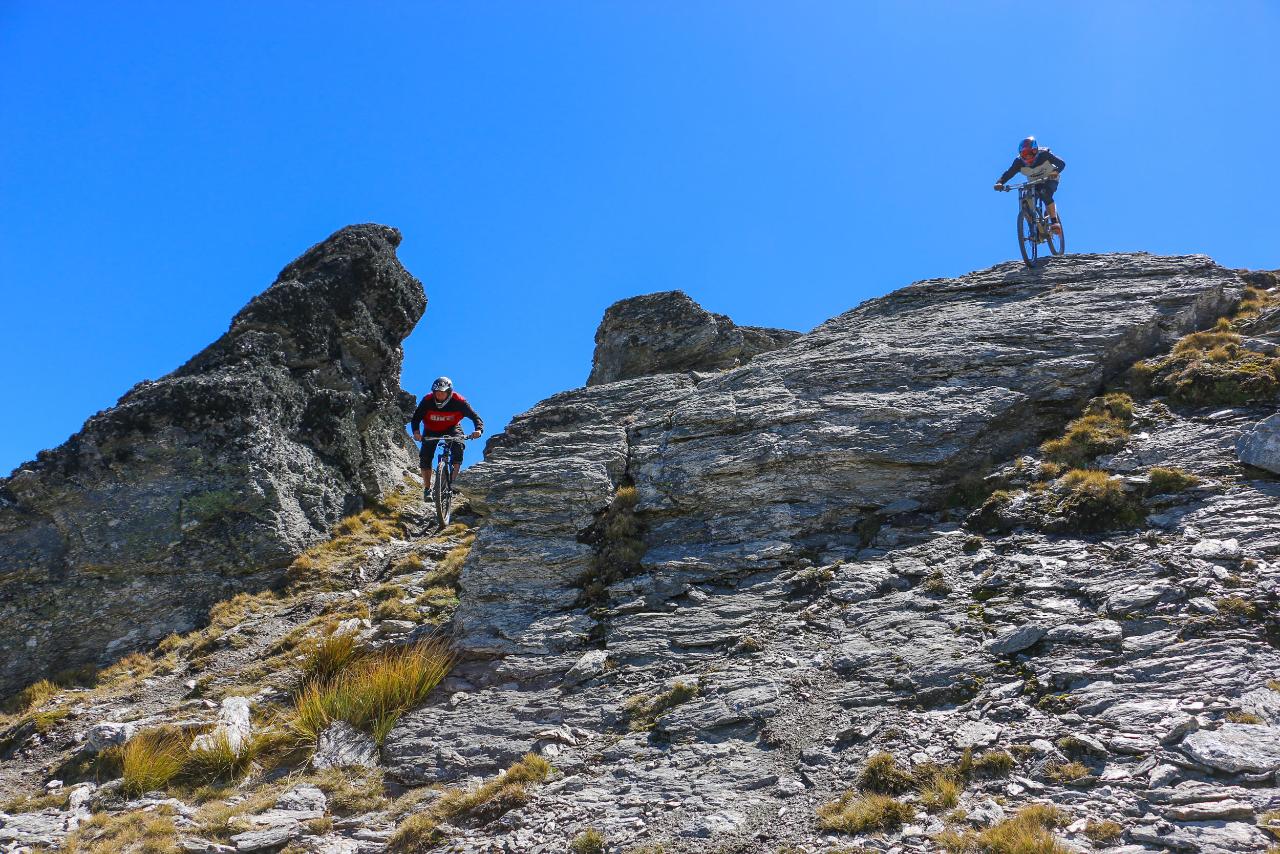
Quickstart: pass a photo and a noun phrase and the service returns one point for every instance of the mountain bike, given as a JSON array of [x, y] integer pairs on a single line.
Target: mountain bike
[[442, 486], [1034, 227]]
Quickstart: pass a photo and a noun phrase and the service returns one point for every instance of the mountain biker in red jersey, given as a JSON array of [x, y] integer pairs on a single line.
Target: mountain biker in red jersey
[[440, 414], [1037, 163]]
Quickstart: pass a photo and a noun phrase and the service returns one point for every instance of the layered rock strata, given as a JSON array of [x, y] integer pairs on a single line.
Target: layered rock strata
[[215, 476], [794, 455]]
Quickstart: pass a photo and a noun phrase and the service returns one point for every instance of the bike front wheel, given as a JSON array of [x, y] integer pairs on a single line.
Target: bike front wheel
[[1057, 242], [442, 493], [1027, 243]]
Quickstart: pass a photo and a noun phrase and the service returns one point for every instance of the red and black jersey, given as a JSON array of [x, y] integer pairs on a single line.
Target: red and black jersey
[[433, 420]]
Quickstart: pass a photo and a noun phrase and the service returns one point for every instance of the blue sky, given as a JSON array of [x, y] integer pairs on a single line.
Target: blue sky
[[780, 162]]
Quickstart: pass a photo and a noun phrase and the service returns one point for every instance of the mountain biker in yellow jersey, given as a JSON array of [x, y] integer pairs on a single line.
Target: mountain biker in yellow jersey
[[439, 415], [1038, 163]]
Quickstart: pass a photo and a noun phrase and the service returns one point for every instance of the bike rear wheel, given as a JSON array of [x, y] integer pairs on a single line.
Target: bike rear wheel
[[442, 493], [1027, 243], [1057, 242]]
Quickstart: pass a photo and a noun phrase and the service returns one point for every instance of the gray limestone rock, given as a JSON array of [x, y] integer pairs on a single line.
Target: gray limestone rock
[[1015, 640], [1260, 444], [108, 734], [668, 332], [343, 746], [1235, 748], [214, 477]]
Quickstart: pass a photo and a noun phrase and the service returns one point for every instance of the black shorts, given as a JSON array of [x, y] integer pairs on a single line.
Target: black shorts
[[1046, 191], [428, 451]]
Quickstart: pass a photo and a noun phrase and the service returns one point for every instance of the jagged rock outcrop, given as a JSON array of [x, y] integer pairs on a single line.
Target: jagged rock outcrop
[[215, 476], [667, 333], [792, 455], [803, 602]]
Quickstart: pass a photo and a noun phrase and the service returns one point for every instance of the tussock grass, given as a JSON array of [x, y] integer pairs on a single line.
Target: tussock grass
[[1237, 606], [373, 693], [144, 832], [1103, 831], [419, 832], [151, 760], [589, 841], [644, 710], [319, 566], [35, 803], [1065, 772], [943, 793], [1093, 501], [1164, 480], [328, 656], [352, 790], [33, 696], [1102, 429], [1028, 832], [989, 763], [882, 775], [853, 813]]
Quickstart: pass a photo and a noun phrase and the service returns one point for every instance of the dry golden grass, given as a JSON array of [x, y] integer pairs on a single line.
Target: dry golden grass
[[151, 760], [495, 797], [1103, 831], [1164, 480], [644, 710], [943, 793], [589, 841], [1237, 717], [374, 692], [1028, 832], [328, 656], [352, 790], [852, 813], [1210, 368], [1093, 501], [143, 832], [882, 775], [1065, 772]]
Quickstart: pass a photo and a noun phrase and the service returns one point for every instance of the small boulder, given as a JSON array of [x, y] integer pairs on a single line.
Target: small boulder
[[589, 666], [1016, 640], [1260, 445], [108, 734], [343, 746]]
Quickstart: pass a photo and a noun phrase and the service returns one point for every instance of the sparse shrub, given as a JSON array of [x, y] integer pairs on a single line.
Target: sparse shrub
[[748, 644], [853, 813], [589, 841], [151, 760], [1028, 832], [1273, 685], [1103, 831], [1210, 368], [1165, 481], [412, 562], [1091, 501], [1056, 703], [618, 537], [372, 694], [972, 544], [644, 710], [936, 582], [812, 579], [882, 775]]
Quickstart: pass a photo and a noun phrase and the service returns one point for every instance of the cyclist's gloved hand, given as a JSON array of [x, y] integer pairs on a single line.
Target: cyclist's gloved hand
[[417, 437], [999, 186], [1053, 176], [475, 435]]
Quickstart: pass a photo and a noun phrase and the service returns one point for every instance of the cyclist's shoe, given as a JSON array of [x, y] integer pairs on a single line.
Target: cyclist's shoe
[[1056, 228], [426, 495]]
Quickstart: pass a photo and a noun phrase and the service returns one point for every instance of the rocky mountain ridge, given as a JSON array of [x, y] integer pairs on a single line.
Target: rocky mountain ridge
[[973, 566], [213, 478]]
